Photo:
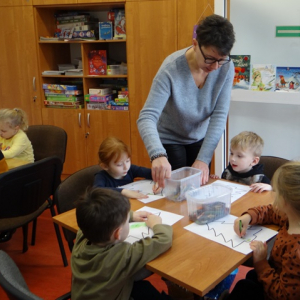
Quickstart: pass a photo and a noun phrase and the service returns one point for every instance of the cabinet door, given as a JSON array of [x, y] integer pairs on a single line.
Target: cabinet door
[[72, 121], [101, 124], [19, 71], [190, 15], [151, 36]]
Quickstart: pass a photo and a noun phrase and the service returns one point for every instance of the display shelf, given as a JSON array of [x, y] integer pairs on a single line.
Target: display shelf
[[265, 97]]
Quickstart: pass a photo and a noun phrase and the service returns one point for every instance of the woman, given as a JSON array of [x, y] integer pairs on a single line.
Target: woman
[[185, 113]]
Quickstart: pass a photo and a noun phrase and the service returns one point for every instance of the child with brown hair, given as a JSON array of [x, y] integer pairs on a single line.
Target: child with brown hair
[[278, 277], [14, 142], [114, 157], [104, 265]]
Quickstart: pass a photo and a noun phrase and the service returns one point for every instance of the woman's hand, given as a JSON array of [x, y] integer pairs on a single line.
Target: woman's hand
[[198, 164], [161, 169], [260, 250], [241, 224]]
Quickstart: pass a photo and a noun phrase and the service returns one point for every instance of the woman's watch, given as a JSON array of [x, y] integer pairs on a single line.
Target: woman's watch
[[155, 156]]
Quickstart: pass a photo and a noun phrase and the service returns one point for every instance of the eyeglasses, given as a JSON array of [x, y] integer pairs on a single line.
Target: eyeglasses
[[211, 61]]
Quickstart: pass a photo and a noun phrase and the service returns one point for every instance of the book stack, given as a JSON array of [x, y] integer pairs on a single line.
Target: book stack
[[63, 96], [76, 25]]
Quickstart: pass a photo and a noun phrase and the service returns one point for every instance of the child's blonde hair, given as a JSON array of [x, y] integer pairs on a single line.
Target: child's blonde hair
[[248, 140], [112, 148], [286, 184], [14, 117]]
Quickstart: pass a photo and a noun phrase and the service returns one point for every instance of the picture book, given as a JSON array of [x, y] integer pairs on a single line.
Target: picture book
[[287, 79], [262, 77], [242, 69], [105, 31], [120, 24], [97, 62]]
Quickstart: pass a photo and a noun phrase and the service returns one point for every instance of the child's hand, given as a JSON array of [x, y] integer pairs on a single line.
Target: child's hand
[[156, 189], [133, 194], [153, 220], [260, 187], [246, 219], [260, 250], [213, 176], [140, 216]]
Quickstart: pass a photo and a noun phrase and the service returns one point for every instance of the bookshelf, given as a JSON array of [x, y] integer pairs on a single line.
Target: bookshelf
[[85, 128]]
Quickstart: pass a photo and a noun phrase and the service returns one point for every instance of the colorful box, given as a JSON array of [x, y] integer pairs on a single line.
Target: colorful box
[[97, 62], [105, 31], [120, 24]]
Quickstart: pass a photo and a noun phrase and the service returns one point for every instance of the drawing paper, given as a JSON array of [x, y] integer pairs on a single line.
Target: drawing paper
[[221, 231]]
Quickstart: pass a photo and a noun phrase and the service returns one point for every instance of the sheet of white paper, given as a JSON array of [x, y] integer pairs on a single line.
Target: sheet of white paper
[[144, 187], [139, 230], [221, 231], [237, 190]]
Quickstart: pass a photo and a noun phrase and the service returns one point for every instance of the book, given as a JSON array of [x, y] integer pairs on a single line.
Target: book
[[97, 62], [262, 77], [120, 24], [50, 86], [242, 69], [105, 31], [287, 79]]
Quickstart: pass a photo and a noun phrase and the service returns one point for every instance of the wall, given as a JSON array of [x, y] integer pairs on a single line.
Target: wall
[[269, 115]]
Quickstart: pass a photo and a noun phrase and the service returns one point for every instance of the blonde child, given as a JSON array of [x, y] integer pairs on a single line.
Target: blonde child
[[278, 277], [114, 157], [245, 152], [14, 142]]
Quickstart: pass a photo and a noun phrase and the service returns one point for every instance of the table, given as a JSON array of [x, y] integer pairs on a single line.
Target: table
[[193, 262], [15, 162]]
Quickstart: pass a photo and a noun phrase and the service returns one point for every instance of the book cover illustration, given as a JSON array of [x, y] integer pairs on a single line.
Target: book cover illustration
[[263, 77], [105, 31], [242, 69], [120, 24], [97, 62], [287, 79]]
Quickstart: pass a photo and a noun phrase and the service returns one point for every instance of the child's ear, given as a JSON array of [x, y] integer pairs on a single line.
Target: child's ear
[[195, 43], [255, 161], [117, 234], [104, 166]]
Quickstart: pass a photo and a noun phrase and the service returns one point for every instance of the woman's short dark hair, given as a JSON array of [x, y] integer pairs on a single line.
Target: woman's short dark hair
[[216, 31], [101, 211]]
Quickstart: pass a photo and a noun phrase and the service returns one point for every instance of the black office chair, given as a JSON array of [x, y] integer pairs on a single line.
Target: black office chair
[[70, 190], [25, 192], [271, 164], [49, 140], [13, 283]]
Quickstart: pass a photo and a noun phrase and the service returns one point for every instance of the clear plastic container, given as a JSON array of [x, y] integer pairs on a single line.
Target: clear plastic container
[[181, 181], [208, 203]]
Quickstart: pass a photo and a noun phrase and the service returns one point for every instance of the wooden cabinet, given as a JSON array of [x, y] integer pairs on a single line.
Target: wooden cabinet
[[19, 84], [85, 128], [151, 36]]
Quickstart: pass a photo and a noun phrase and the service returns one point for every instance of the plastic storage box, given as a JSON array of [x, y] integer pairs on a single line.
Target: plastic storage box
[[181, 181], [208, 203]]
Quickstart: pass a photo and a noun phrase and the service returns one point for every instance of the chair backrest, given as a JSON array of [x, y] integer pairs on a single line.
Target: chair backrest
[[24, 189], [12, 281], [47, 140], [271, 164], [71, 189]]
